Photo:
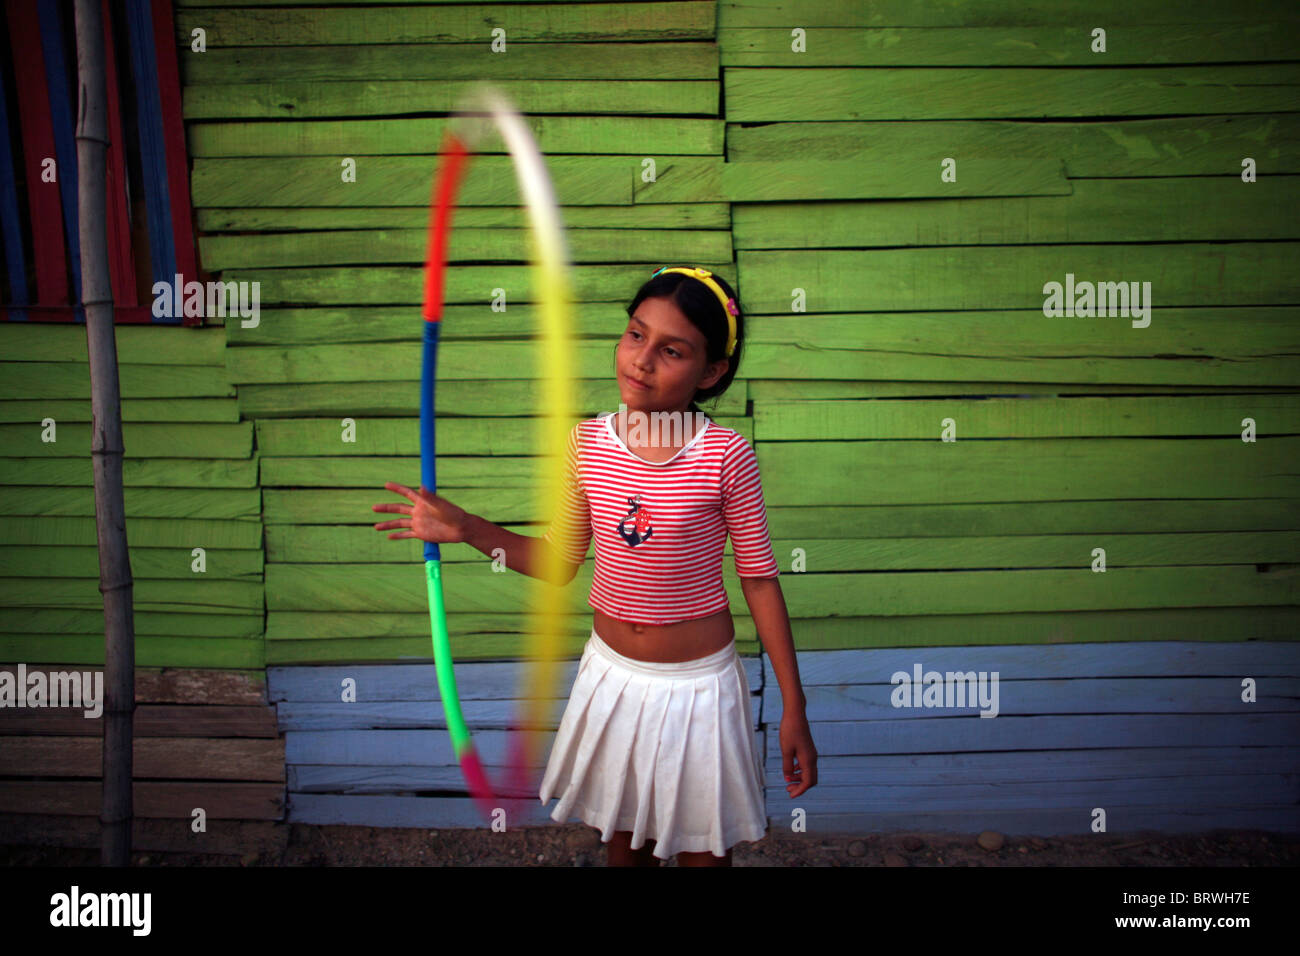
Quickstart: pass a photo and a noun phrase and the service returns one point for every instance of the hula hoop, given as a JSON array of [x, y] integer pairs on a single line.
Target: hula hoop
[[550, 272]]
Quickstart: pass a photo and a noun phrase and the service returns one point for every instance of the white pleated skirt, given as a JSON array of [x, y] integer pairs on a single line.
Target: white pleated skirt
[[666, 751]]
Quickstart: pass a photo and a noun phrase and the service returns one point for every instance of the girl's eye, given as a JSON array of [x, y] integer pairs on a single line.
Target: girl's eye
[[674, 353]]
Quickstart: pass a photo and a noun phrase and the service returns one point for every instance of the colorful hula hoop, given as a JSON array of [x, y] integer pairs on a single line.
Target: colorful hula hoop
[[552, 288]]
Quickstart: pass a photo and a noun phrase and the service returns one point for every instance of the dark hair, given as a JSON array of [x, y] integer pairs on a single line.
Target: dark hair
[[699, 304]]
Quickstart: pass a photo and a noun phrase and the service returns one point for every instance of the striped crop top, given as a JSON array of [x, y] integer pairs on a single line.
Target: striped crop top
[[661, 528]]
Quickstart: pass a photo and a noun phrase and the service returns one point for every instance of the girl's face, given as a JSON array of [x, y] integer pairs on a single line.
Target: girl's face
[[664, 351]]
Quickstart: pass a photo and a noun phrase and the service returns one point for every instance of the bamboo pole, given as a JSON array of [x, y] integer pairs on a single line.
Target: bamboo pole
[[106, 450]]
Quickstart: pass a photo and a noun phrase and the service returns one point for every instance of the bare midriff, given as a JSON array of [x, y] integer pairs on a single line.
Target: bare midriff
[[667, 643]]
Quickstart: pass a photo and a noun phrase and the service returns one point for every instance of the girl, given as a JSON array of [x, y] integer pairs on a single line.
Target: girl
[[656, 747]]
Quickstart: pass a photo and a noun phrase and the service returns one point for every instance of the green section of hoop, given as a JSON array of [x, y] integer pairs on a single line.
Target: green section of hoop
[[442, 661]]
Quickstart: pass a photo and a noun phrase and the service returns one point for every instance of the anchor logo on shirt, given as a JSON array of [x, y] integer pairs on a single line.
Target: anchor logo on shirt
[[643, 530]]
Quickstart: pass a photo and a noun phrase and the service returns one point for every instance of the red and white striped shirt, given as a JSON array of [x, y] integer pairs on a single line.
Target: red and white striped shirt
[[661, 528]]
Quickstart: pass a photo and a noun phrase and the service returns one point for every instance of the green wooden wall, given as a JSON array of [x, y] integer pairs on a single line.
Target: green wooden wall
[[819, 171]]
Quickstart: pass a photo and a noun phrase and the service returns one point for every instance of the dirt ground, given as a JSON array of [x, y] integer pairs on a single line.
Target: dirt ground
[[579, 845]]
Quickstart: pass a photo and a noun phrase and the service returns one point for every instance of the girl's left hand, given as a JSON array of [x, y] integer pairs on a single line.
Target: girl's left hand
[[797, 747]]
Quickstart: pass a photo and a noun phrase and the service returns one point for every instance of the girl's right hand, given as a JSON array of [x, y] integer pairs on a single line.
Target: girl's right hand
[[430, 518]]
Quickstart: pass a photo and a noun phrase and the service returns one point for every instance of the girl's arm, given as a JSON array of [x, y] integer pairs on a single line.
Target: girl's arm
[[772, 620], [522, 552], [431, 517]]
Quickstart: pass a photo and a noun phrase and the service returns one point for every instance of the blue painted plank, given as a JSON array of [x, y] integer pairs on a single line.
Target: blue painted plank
[[1283, 819], [1117, 659], [398, 748], [479, 715], [475, 680], [1203, 791], [11, 232], [1075, 696], [53, 35], [435, 812], [1025, 766], [153, 150], [952, 734]]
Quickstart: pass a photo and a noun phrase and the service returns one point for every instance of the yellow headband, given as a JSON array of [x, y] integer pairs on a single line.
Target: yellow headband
[[728, 304]]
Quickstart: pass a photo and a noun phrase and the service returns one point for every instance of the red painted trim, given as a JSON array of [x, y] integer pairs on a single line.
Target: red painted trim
[[121, 262], [178, 173], [44, 204]]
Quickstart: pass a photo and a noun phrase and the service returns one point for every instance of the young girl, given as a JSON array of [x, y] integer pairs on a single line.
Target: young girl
[[656, 747]]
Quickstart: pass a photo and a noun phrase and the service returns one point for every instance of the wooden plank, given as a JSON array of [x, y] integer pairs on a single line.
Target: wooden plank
[[140, 439], [843, 93], [1053, 469], [178, 649], [769, 391], [392, 683], [72, 380], [152, 131], [116, 177], [882, 280], [554, 134], [176, 758], [172, 142], [136, 345], [875, 355], [1072, 822], [1176, 209], [403, 181], [150, 720], [171, 801], [1199, 792], [146, 563], [291, 99], [230, 838], [154, 595], [36, 121], [1042, 766], [1041, 417], [625, 22], [1063, 660], [1023, 696], [58, 623], [212, 473], [1003, 45], [376, 60], [948, 734], [981, 13], [364, 810], [140, 502], [141, 532], [409, 715], [396, 748], [904, 178], [133, 410], [365, 246], [701, 215], [1162, 147]]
